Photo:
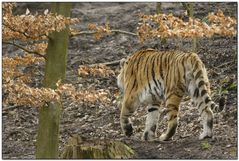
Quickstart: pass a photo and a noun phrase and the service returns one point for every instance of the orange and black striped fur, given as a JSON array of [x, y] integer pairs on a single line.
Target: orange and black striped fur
[[150, 77]]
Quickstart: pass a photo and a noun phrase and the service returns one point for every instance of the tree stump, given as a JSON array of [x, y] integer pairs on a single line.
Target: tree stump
[[77, 148]]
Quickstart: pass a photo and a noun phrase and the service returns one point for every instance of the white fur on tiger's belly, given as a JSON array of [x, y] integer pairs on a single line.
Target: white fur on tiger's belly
[[148, 96], [119, 83]]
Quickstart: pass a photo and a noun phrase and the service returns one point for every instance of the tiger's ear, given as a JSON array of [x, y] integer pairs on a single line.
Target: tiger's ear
[[122, 61]]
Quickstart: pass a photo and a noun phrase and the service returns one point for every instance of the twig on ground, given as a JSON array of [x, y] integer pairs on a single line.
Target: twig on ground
[[112, 63], [124, 32], [6, 109], [226, 63], [94, 32], [214, 69]]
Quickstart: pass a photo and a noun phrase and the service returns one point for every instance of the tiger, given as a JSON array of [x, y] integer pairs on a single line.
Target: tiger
[[152, 77]]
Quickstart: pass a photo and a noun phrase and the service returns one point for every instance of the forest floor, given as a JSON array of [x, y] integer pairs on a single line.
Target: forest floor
[[101, 120]]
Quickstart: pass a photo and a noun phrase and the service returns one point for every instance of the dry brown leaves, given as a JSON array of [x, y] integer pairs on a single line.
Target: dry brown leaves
[[7, 8], [18, 92], [38, 47], [15, 83], [221, 24], [32, 27], [97, 70], [11, 67], [89, 96], [100, 31], [29, 26], [169, 26]]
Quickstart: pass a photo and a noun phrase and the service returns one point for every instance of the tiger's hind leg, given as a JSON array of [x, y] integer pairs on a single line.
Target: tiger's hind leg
[[172, 106], [151, 122], [207, 120], [128, 108]]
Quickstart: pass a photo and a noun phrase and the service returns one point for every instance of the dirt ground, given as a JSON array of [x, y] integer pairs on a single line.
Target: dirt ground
[[100, 121]]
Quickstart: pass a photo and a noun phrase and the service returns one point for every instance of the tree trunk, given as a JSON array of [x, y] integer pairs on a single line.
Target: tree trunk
[[194, 44], [159, 11], [49, 116], [189, 8], [77, 148], [158, 8]]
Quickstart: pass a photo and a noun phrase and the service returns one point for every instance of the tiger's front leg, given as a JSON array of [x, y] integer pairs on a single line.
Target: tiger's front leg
[[172, 106], [151, 122]]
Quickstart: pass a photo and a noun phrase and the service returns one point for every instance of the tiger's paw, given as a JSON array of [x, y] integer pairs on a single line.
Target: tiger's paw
[[164, 137], [148, 136], [128, 130]]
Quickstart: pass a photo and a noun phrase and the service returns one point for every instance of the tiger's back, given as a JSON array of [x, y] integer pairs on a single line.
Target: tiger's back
[[150, 77]]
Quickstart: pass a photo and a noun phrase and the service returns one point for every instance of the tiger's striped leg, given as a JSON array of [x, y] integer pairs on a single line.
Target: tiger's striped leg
[[151, 122], [200, 93], [207, 118], [128, 108], [207, 121], [172, 105]]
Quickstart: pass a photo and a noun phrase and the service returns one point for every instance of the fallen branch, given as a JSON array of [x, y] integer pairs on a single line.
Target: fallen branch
[[185, 136], [112, 63], [9, 108], [214, 69], [226, 63], [94, 32], [124, 32]]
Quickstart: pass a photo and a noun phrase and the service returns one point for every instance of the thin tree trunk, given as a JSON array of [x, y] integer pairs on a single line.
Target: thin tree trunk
[[194, 44], [158, 8], [189, 8], [49, 116], [159, 11]]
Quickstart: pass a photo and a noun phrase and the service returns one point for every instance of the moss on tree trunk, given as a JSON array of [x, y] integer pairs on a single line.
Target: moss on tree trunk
[[49, 116]]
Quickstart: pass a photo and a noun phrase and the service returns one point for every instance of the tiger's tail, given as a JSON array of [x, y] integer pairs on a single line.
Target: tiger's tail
[[200, 88]]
